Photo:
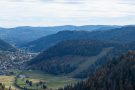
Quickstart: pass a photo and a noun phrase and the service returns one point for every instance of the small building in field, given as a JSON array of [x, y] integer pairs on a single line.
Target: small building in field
[[22, 76]]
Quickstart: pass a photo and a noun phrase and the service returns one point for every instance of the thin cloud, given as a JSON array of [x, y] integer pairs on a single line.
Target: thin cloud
[[52, 1], [58, 12], [129, 2]]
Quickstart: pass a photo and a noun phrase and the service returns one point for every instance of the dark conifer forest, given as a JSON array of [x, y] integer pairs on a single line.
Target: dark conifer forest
[[118, 74]]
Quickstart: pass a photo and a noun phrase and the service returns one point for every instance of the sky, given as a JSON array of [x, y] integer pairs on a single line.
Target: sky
[[66, 12]]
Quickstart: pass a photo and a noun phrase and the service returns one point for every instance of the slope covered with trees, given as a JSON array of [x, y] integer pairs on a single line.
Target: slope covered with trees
[[119, 35], [118, 74], [5, 46], [75, 57], [22, 35]]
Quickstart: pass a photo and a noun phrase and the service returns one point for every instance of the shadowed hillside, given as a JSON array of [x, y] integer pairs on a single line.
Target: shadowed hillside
[[22, 35], [118, 74], [5, 46], [75, 57], [119, 35]]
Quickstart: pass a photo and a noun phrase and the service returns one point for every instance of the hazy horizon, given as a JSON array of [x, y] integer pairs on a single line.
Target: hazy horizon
[[63, 25]]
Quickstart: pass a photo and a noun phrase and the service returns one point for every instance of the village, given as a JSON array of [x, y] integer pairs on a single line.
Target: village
[[13, 60]]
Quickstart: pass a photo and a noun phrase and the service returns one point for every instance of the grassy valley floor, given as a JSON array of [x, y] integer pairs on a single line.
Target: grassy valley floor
[[51, 81], [8, 81]]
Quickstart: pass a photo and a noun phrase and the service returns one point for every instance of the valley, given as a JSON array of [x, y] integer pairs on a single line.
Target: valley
[[67, 45], [18, 80], [65, 59]]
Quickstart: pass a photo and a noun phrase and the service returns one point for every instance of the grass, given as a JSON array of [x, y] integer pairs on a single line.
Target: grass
[[88, 61], [52, 81], [22, 84], [8, 81]]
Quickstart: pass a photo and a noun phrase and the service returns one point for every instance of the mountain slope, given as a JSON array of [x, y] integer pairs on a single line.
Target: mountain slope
[[120, 35], [5, 46], [22, 35], [50, 40], [82, 47], [74, 57], [119, 74]]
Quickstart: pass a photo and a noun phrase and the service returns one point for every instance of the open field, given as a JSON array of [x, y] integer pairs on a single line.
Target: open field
[[52, 81], [22, 83], [8, 81]]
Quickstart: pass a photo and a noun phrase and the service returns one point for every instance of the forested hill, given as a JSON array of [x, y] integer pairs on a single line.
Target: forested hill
[[77, 58], [22, 35], [118, 74], [120, 35], [5, 46], [82, 47]]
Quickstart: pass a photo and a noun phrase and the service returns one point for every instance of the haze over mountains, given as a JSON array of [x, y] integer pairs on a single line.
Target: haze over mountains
[[119, 35], [22, 35], [69, 45], [74, 52]]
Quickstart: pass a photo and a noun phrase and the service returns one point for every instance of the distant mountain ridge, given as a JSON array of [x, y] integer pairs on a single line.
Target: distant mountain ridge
[[120, 35], [22, 35]]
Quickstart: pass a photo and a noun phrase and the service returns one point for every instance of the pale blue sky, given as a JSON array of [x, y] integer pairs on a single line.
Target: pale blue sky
[[66, 12]]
